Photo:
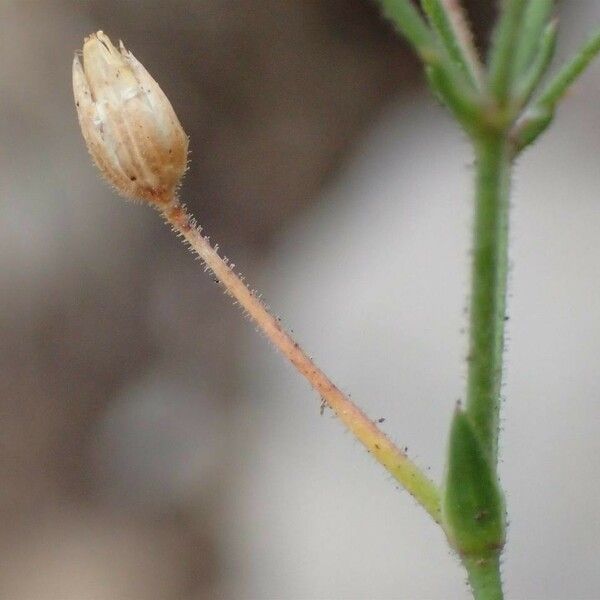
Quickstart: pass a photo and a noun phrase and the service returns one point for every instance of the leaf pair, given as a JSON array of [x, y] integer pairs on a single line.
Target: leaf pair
[[473, 505]]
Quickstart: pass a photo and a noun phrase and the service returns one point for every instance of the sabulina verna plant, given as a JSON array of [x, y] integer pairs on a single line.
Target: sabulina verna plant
[[137, 142]]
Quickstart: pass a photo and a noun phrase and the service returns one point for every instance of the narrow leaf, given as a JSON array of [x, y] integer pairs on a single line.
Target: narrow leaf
[[557, 87], [530, 79], [540, 114], [455, 36], [407, 20], [461, 102], [502, 49], [535, 20], [473, 505]]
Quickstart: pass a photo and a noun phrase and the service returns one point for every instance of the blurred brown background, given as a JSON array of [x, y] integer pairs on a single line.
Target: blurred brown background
[[97, 293], [124, 373]]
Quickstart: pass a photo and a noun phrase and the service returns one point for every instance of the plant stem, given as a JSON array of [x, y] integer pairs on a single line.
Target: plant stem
[[374, 440], [485, 578], [488, 291]]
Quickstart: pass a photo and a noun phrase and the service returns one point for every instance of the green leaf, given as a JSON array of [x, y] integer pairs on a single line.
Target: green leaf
[[530, 127], [473, 504], [407, 20], [458, 43], [557, 87], [460, 100], [535, 18], [541, 111], [502, 49], [528, 82]]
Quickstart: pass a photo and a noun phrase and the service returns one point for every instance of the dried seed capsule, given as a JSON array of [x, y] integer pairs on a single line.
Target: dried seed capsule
[[128, 123]]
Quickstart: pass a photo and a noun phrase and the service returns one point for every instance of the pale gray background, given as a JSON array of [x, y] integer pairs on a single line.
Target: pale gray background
[[152, 445]]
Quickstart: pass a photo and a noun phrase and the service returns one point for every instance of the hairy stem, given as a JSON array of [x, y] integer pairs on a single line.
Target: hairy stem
[[488, 291], [484, 578], [374, 440]]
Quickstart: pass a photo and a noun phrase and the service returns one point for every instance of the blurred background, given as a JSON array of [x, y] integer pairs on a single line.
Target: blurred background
[[152, 445]]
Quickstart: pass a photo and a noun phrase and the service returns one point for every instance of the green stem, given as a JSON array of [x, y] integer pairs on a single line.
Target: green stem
[[488, 292], [484, 578], [364, 429]]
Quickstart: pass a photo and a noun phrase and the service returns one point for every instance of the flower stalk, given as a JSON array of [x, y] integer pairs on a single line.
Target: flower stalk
[[139, 145], [364, 429]]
